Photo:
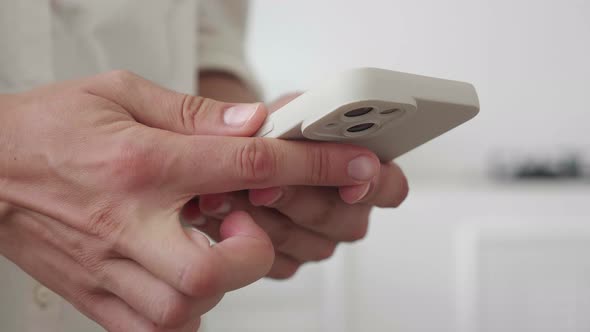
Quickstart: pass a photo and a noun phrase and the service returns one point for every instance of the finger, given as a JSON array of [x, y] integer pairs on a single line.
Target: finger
[[151, 297], [191, 215], [190, 264], [287, 238], [160, 108], [147, 295], [193, 326], [62, 274], [356, 193], [389, 189], [208, 164], [115, 315], [283, 266], [320, 210], [217, 205]]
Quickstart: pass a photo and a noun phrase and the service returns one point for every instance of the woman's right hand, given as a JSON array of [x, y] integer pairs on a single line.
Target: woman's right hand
[[95, 173]]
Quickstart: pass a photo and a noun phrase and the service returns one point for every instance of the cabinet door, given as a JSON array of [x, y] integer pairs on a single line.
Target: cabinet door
[[525, 278], [314, 300]]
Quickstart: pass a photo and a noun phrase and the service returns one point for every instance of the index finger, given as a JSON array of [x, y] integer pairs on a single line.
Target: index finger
[[213, 164]]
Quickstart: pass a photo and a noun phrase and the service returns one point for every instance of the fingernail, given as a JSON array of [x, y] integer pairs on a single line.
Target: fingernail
[[364, 192], [355, 194], [238, 115], [276, 195], [222, 209], [266, 196], [217, 205], [197, 221], [362, 168]]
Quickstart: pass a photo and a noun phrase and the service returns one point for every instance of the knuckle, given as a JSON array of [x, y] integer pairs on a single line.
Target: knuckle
[[131, 164], [198, 279], [257, 161], [102, 223], [403, 192], [191, 110], [398, 187], [83, 299], [319, 160], [89, 303], [92, 262], [209, 303], [102, 278], [358, 232], [285, 272], [121, 77], [324, 217], [321, 219], [280, 236], [174, 309], [6, 211], [327, 252]]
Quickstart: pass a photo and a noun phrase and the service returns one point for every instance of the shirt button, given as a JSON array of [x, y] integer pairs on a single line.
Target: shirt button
[[42, 296]]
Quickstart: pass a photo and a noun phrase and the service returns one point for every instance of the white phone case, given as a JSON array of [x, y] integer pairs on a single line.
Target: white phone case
[[386, 111]]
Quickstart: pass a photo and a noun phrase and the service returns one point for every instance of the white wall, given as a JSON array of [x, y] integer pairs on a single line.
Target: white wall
[[529, 61]]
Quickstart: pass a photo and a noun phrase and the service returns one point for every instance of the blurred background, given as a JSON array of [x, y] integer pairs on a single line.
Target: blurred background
[[495, 235]]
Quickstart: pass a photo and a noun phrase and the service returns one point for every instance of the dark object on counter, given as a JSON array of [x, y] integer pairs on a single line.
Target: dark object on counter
[[564, 164], [569, 168]]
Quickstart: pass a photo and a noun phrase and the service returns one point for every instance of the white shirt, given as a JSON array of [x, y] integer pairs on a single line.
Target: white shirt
[[44, 41], [167, 41]]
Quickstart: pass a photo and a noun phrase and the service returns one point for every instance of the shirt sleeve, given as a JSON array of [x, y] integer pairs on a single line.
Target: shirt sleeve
[[221, 44]]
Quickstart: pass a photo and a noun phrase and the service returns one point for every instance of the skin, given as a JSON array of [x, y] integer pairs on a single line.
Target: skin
[[94, 175], [304, 223]]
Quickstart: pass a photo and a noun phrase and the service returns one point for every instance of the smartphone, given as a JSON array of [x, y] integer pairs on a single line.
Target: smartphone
[[385, 111]]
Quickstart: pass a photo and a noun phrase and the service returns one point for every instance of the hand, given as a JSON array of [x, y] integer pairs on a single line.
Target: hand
[[305, 223], [96, 171]]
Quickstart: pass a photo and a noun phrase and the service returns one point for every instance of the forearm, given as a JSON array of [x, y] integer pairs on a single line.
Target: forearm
[[5, 208], [5, 158], [224, 86]]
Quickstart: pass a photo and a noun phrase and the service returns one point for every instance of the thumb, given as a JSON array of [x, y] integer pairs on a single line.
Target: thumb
[[165, 109]]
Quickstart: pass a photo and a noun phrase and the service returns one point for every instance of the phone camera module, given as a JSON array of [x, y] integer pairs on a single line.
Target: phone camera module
[[358, 112], [360, 127], [390, 111]]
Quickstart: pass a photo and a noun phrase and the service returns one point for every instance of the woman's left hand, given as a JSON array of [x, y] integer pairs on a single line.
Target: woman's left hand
[[304, 223]]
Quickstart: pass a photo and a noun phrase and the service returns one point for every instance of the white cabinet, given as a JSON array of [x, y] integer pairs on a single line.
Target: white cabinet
[[514, 276], [470, 258]]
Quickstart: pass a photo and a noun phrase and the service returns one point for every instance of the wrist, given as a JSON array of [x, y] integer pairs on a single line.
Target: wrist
[[7, 102], [4, 101], [224, 86], [6, 162]]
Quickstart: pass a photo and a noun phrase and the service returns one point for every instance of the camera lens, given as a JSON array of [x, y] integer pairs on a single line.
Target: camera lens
[[360, 127], [358, 112]]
